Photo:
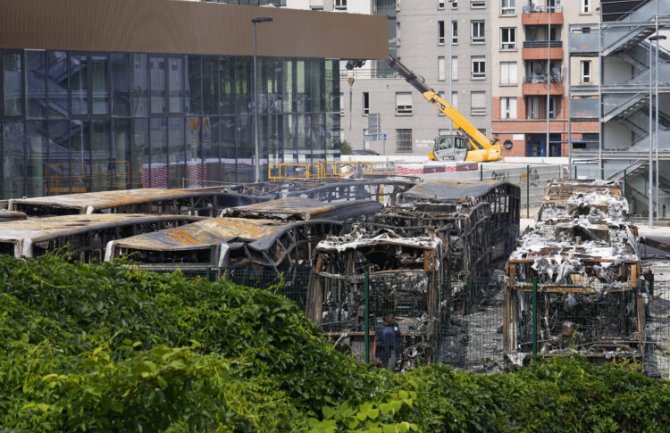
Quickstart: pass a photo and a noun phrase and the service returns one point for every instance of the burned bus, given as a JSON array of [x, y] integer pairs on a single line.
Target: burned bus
[[478, 223], [253, 252], [384, 190], [202, 202], [305, 209], [404, 276], [81, 237], [256, 245], [573, 282]]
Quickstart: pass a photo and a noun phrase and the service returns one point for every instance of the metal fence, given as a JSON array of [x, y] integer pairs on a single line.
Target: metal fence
[[472, 338], [470, 341]]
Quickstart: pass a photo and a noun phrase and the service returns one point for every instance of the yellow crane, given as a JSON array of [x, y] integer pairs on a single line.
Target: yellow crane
[[468, 144]]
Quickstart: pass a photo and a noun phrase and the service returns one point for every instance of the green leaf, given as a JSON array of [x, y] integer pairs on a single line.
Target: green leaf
[[328, 412]]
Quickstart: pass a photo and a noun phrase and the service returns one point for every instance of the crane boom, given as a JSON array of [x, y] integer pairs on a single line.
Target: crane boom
[[481, 149]]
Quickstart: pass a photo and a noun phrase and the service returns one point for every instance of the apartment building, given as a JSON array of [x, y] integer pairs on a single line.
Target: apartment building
[[630, 48], [534, 73], [443, 41]]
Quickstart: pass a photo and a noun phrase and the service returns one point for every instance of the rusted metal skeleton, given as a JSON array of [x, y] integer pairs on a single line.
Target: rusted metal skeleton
[[478, 223], [406, 276], [582, 256], [421, 255]]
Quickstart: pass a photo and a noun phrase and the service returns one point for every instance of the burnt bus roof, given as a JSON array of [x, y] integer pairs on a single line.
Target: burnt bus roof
[[91, 202], [203, 234], [212, 231], [562, 190], [41, 229], [450, 190], [302, 208]]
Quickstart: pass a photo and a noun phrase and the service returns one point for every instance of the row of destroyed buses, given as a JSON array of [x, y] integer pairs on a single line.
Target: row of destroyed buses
[[347, 251]]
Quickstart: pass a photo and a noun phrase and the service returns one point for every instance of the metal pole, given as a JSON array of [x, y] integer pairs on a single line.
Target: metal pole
[[528, 191], [549, 12], [650, 189], [257, 161], [657, 38], [481, 172], [257, 169], [569, 112], [625, 181], [601, 75], [451, 66], [366, 312], [534, 320]]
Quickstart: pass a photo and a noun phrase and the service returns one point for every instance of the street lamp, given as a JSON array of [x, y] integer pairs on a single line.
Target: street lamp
[[257, 161], [650, 196], [657, 38], [450, 61]]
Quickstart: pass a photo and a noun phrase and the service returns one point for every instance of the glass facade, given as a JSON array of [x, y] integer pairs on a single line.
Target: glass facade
[[77, 122]]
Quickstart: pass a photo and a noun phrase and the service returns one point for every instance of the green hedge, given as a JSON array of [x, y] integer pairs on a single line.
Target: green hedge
[[106, 349]]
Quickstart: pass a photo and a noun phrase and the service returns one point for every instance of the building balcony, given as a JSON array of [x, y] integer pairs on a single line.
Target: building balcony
[[541, 50], [542, 15], [536, 85]]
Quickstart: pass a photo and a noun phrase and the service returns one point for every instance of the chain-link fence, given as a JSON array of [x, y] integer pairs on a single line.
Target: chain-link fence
[[601, 326], [430, 329]]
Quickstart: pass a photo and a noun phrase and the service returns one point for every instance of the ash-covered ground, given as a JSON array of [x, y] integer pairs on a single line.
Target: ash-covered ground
[[473, 341]]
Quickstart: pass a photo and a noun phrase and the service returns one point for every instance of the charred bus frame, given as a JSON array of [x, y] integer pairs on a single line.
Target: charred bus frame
[[405, 277], [83, 237], [385, 190], [478, 223], [253, 252], [202, 202], [573, 283], [256, 245]]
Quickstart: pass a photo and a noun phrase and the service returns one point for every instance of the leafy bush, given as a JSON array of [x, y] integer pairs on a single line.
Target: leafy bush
[[104, 348]]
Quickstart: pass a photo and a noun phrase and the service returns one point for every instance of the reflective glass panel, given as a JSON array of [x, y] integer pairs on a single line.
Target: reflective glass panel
[[139, 85], [36, 90], [13, 152], [194, 86], [80, 156], [176, 84], [79, 83], [36, 158], [121, 70], [120, 160], [57, 83], [103, 167], [58, 149], [158, 84], [176, 149], [157, 157], [12, 80], [139, 145], [100, 84]]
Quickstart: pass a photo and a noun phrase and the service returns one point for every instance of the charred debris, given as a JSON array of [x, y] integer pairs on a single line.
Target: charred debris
[[423, 244], [579, 271], [422, 256]]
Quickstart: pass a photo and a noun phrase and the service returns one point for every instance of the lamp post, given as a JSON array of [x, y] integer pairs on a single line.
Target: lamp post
[[550, 10], [257, 160], [657, 38], [650, 189], [449, 62]]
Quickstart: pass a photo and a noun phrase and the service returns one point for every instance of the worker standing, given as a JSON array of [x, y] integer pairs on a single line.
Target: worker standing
[[387, 346]]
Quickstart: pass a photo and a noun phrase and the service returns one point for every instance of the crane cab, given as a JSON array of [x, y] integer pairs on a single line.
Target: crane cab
[[453, 147]]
